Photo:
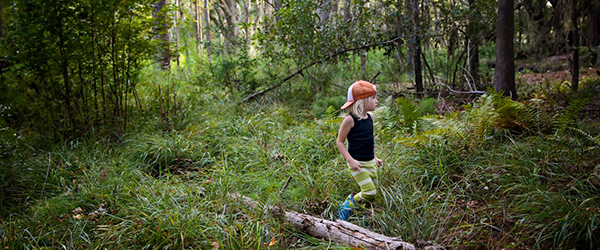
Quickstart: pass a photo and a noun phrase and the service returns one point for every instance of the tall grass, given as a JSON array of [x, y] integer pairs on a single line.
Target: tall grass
[[483, 177]]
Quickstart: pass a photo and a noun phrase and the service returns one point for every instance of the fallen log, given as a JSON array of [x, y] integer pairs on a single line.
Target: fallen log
[[338, 231]]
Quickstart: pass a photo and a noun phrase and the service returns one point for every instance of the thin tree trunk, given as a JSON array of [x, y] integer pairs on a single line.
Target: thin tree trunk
[[595, 24], [207, 22], [197, 23], [504, 75], [230, 11], [417, 48], [473, 44], [2, 32], [575, 48], [246, 20], [177, 23], [277, 6], [162, 26], [363, 64]]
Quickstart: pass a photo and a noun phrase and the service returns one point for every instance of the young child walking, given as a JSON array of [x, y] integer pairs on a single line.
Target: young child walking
[[357, 128]]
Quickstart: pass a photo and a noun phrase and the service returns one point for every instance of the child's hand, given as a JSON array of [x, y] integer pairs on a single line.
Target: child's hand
[[379, 162], [354, 165]]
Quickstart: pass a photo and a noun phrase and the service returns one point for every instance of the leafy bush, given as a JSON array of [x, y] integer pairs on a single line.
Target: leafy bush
[[74, 65]]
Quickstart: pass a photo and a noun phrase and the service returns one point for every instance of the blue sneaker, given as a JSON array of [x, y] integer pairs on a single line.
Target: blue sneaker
[[346, 208]]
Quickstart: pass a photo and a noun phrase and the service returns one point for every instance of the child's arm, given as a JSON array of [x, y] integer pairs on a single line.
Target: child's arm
[[347, 124], [378, 161]]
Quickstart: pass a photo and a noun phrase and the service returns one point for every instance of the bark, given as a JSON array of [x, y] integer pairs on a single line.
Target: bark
[[246, 19], [162, 26], [231, 18], [177, 23], [473, 44], [536, 11], [595, 24], [207, 22], [504, 75], [324, 11], [198, 22], [276, 6], [363, 64], [575, 48], [346, 10], [416, 47], [341, 232], [2, 32]]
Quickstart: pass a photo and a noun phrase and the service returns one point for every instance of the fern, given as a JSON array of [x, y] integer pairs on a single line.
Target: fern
[[568, 117]]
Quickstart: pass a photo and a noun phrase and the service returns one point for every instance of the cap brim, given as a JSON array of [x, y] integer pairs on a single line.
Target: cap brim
[[347, 104]]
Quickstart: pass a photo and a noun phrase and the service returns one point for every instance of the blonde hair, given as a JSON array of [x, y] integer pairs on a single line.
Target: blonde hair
[[358, 107]]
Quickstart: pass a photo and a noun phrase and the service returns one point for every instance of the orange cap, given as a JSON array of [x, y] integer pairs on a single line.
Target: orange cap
[[359, 90]]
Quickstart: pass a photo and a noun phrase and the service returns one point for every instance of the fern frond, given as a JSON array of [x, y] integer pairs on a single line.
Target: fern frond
[[568, 117]]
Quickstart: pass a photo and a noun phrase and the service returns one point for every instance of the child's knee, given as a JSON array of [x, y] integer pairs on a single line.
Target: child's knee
[[370, 195]]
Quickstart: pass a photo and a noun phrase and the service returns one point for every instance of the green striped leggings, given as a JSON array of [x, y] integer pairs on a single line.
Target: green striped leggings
[[366, 179]]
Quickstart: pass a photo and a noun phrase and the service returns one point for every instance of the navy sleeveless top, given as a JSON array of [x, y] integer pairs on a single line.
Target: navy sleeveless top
[[360, 139]]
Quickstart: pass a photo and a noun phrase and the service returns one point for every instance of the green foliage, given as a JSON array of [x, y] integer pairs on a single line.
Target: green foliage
[[296, 31], [327, 106], [587, 56], [239, 73], [569, 116], [74, 64], [492, 112], [405, 116], [444, 183]]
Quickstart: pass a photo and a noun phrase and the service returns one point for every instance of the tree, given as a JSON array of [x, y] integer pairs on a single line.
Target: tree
[[574, 48], [473, 42], [416, 46], [80, 73], [504, 75], [207, 21], [162, 29], [595, 23]]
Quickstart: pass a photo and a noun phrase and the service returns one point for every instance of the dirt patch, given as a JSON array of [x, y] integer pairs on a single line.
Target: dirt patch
[[558, 76]]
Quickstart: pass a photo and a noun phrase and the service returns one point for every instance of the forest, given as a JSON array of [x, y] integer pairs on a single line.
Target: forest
[[212, 124]]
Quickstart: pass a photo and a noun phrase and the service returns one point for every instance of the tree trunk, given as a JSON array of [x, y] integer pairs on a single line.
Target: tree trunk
[[537, 12], [1, 23], [207, 22], [341, 232], [277, 6], [595, 24], [473, 44], [230, 11], [246, 20], [399, 31], [504, 75], [574, 48], [416, 52], [198, 22], [177, 23], [324, 12], [162, 26], [363, 64]]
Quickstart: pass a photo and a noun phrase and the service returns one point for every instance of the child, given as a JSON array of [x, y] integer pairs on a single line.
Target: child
[[357, 127]]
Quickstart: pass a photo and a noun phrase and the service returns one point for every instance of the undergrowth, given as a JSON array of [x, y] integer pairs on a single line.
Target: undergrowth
[[495, 174]]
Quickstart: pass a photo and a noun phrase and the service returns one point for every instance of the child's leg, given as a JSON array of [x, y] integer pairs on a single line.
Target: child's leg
[[367, 180]]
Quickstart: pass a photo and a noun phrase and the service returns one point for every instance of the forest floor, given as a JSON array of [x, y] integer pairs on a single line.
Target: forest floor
[[560, 77]]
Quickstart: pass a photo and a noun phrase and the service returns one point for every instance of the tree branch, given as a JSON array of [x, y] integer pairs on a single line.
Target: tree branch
[[259, 93]]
